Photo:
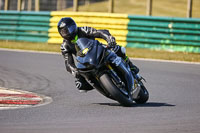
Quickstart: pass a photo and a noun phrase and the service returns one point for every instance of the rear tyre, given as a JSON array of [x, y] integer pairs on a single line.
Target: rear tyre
[[108, 84], [143, 95]]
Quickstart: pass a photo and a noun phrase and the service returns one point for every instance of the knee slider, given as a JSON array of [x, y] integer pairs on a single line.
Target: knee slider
[[78, 84]]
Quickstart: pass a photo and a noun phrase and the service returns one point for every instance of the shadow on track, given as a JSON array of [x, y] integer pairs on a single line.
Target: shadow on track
[[153, 104], [149, 104]]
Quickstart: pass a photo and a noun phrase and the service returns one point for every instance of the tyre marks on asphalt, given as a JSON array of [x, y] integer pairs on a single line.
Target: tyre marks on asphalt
[[12, 78], [19, 81]]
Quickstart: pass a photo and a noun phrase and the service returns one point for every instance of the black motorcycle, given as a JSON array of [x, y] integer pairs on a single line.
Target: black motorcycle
[[108, 73]]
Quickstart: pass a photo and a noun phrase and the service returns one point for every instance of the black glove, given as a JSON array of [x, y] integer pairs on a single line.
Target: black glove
[[63, 48], [111, 42], [74, 71]]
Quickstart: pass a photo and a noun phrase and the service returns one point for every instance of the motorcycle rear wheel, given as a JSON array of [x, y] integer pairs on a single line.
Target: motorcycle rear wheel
[[115, 91]]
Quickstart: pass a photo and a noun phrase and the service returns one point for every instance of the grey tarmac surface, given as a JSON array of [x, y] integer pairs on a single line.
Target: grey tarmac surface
[[174, 104]]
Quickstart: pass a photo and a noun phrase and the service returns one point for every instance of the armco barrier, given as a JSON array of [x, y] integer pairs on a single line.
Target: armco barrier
[[177, 34], [115, 23], [24, 26]]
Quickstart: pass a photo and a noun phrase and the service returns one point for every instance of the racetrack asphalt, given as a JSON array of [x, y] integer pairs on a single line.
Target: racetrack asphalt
[[174, 104]]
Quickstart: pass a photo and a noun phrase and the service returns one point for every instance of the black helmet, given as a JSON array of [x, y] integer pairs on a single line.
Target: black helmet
[[67, 28]]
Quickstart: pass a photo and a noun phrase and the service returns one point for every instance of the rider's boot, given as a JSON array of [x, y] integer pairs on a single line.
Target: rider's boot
[[135, 70]]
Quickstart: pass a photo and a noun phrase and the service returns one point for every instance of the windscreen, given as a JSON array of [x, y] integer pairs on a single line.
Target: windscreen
[[84, 43]]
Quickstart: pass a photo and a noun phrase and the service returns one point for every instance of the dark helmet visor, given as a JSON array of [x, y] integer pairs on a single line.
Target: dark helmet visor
[[64, 33], [72, 29]]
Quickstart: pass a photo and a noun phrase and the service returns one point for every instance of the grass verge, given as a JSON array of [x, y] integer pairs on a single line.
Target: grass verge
[[131, 52], [170, 8]]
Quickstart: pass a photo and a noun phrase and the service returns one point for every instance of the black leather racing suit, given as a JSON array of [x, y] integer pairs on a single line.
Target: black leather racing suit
[[68, 49]]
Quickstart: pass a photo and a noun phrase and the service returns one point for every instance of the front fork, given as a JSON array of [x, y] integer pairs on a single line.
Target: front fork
[[134, 86], [115, 77], [127, 86]]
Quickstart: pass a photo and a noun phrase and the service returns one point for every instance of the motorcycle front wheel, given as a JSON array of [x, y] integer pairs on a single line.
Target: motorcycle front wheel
[[143, 95], [114, 91]]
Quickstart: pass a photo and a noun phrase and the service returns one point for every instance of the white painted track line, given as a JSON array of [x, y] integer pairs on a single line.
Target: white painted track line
[[142, 59]]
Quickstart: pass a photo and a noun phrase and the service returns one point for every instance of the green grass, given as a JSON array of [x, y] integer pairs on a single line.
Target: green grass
[[171, 8], [164, 55], [30, 46], [131, 52]]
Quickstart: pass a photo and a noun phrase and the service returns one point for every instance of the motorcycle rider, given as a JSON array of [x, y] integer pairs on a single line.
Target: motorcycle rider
[[70, 33]]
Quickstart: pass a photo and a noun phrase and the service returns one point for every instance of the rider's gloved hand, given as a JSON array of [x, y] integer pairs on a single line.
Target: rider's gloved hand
[[74, 71], [111, 42], [63, 48]]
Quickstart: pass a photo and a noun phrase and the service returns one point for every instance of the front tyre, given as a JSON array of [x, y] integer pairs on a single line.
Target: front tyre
[[143, 95], [115, 92]]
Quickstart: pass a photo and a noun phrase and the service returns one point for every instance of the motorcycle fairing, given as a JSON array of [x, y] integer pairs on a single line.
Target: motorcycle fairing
[[89, 53], [122, 68]]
